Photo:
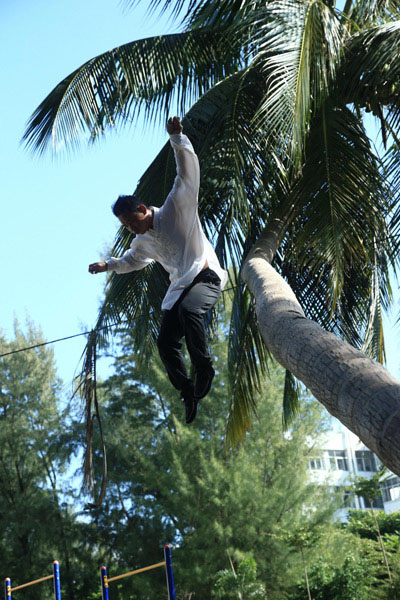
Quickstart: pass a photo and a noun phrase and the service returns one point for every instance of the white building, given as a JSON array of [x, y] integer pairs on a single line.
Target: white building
[[341, 458]]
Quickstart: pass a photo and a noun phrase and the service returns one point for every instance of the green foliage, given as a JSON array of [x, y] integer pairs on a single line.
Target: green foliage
[[362, 523], [302, 537], [369, 488], [37, 525], [241, 584], [30, 440], [172, 483], [350, 581], [241, 522]]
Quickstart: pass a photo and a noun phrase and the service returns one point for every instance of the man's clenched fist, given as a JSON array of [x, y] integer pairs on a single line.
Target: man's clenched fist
[[98, 267]]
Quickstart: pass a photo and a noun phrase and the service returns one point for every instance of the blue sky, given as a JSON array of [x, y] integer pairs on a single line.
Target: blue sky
[[55, 212]]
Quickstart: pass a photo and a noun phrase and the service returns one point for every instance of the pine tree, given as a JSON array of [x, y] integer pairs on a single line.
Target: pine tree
[[37, 522], [31, 453]]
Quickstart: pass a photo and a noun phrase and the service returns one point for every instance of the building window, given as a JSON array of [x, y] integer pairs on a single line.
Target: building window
[[338, 460], [376, 503], [366, 461], [349, 499], [390, 489], [316, 463]]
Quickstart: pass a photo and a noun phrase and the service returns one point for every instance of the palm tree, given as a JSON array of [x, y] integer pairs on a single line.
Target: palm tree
[[293, 194]]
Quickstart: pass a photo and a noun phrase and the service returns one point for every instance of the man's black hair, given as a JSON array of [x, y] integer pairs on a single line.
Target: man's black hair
[[125, 204]]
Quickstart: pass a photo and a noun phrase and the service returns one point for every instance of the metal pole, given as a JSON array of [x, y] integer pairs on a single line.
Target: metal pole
[[168, 570], [8, 588], [56, 575], [104, 583]]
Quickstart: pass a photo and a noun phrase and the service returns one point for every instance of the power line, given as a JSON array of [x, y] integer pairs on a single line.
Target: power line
[[69, 337]]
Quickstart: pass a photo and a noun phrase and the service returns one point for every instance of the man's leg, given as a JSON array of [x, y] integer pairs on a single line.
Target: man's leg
[[169, 346], [199, 299]]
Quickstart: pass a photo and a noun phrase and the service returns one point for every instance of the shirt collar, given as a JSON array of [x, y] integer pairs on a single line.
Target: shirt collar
[[156, 219]]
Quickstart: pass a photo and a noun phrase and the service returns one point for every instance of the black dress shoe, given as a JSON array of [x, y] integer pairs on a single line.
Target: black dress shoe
[[190, 409], [204, 379], [190, 402]]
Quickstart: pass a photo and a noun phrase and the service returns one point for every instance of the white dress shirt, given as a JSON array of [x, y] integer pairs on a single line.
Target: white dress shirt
[[176, 240]]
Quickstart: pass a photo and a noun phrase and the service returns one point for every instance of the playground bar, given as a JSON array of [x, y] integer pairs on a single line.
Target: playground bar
[[104, 583], [24, 585], [161, 564], [56, 575], [168, 570], [167, 563]]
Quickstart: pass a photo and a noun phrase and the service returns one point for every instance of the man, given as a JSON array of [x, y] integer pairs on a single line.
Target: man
[[172, 235]]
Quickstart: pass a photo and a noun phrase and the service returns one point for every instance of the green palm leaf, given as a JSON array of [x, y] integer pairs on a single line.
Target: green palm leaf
[[200, 13], [291, 397], [140, 76], [366, 13], [299, 49], [358, 314], [247, 363], [370, 73], [374, 345], [347, 200]]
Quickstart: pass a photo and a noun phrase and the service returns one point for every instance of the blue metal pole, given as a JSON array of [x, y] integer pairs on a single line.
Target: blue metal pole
[[170, 575], [104, 583], [56, 577], [8, 588]]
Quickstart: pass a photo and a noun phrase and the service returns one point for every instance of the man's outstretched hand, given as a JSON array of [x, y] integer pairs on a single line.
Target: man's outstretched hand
[[98, 267], [174, 125]]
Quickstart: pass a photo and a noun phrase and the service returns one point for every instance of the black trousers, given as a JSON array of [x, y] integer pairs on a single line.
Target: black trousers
[[186, 319]]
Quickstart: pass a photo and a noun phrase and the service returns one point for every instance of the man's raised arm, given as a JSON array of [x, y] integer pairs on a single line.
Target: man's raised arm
[[187, 181]]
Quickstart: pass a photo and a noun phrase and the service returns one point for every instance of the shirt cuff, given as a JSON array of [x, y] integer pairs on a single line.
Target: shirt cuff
[[111, 264], [176, 137]]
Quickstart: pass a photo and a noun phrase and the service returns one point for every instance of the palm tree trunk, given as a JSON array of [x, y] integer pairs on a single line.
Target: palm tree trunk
[[358, 391]]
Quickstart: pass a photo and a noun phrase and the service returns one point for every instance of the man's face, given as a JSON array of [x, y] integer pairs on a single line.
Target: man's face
[[135, 221]]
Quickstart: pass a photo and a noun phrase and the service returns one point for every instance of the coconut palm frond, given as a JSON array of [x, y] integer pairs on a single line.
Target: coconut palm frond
[[136, 298], [367, 13], [88, 392], [247, 364], [199, 13], [374, 345], [175, 7], [224, 13], [339, 221], [131, 301], [145, 75], [359, 308], [222, 204], [392, 174], [299, 49], [329, 253], [291, 400], [369, 76]]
